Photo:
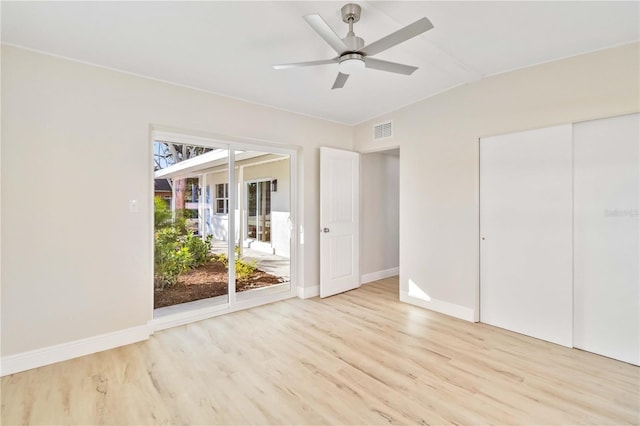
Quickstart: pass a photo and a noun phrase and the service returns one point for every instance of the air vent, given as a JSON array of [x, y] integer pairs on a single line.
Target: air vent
[[383, 130]]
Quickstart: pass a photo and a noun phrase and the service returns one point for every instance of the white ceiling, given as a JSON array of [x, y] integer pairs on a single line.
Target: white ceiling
[[229, 47]]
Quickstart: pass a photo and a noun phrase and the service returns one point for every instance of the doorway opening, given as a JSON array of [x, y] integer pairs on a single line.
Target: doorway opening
[[380, 214]]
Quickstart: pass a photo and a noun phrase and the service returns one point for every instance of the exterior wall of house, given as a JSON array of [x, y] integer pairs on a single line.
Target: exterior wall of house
[[438, 140], [69, 275], [218, 224], [279, 202]]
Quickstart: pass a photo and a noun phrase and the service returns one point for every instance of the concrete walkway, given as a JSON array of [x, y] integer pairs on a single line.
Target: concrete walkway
[[275, 265]]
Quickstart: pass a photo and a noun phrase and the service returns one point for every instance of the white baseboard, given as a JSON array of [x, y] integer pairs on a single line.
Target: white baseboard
[[447, 308], [308, 292], [379, 275], [49, 355]]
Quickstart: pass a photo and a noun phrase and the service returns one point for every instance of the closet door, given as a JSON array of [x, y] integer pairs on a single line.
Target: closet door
[[606, 247], [526, 238]]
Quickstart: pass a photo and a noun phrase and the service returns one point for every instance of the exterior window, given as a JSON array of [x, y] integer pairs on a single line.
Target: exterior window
[[222, 198]]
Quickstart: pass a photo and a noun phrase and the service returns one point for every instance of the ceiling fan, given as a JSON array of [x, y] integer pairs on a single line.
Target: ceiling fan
[[353, 55]]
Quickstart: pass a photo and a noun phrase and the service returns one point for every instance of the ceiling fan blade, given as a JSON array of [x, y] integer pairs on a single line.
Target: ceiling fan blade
[[325, 31], [305, 64], [393, 39], [341, 79], [381, 65]]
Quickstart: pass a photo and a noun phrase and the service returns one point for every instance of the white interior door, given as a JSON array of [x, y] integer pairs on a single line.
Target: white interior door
[[526, 233], [339, 221], [606, 241]]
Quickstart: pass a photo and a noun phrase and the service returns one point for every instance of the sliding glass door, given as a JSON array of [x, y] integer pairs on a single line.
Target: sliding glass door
[[227, 234], [189, 224]]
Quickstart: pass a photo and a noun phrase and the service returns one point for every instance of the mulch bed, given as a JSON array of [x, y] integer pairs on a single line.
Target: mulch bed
[[208, 281]]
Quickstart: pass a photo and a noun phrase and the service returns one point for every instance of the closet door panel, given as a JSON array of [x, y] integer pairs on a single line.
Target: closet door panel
[[526, 233], [606, 237]]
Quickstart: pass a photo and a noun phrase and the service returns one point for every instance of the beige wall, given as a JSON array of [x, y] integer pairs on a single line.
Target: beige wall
[[75, 262], [438, 138]]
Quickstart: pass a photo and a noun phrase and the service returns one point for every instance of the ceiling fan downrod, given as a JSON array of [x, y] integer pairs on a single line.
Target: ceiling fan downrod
[[351, 15]]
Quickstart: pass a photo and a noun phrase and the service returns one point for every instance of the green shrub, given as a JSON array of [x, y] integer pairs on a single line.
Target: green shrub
[[244, 268], [170, 258], [190, 213], [161, 213], [176, 249], [180, 221], [222, 257], [200, 250]]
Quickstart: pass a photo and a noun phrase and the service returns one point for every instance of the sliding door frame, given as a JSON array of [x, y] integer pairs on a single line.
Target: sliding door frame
[[296, 223]]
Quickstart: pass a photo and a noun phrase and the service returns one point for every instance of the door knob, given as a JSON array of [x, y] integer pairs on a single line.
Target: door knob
[[325, 230]]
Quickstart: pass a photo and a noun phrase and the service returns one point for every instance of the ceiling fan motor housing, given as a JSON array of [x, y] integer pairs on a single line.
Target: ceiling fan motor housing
[[353, 42], [351, 13]]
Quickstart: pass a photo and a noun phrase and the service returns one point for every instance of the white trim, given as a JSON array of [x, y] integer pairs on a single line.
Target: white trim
[[308, 292], [447, 308], [49, 355], [379, 275], [193, 315]]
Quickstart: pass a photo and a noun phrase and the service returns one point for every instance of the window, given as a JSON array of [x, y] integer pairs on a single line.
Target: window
[[222, 198]]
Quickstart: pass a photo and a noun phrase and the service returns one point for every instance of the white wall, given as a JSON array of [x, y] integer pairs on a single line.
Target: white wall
[[438, 138], [75, 149], [379, 214]]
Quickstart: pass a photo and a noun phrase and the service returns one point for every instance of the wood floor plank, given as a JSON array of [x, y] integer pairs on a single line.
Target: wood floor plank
[[361, 357]]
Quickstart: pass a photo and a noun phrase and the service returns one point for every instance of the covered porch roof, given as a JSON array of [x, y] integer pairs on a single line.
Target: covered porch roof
[[212, 160]]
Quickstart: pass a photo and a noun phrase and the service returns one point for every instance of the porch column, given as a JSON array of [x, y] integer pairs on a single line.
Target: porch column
[[202, 205], [173, 200], [240, 186]]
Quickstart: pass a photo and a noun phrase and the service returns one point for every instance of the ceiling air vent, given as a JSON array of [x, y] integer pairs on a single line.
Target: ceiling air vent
[[383, 130]]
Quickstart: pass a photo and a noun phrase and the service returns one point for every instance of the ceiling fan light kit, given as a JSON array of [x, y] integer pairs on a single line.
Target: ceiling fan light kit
[[351, 63], [353, 55]]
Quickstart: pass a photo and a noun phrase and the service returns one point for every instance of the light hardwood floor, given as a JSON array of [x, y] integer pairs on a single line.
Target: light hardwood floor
[[357, 358]]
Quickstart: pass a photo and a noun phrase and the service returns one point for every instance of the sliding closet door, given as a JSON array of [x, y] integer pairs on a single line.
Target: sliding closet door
[[525, 228], [606, 246]]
